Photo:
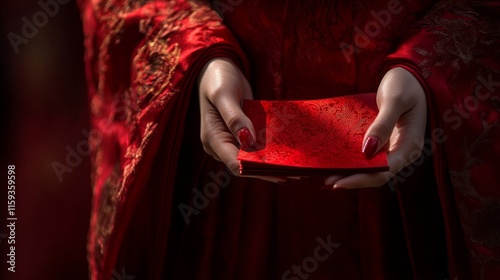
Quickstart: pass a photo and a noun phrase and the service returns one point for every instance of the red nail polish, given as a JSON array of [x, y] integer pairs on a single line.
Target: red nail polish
[[245, 138], [370, 147]]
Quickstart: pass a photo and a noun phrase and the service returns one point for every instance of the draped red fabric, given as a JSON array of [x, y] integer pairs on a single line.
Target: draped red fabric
[[163, 209]]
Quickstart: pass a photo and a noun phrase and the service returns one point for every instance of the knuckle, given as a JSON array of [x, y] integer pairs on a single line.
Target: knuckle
[[208, 142], [207, 150], [218, 92], [403, 100], [213, 95], [383, 129], [205, 139]]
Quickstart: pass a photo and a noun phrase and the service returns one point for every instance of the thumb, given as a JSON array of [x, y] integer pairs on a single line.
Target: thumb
[[229, 106], [237, 122], [224, 86], [379, 132], [391, 107], [392, 103]]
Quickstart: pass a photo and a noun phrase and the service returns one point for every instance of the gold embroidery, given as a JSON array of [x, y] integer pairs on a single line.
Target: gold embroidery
[[106, 211], [161, 61], [461, 41], [135, 155], [127, 133], [482, 224]]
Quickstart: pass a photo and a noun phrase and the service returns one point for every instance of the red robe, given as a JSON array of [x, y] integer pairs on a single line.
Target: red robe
[[163, 209]]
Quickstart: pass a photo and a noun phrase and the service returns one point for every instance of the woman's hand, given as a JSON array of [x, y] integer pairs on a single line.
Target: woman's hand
[[222, 88], [400, 124]]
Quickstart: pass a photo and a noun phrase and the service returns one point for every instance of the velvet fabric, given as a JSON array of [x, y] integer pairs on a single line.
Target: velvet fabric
[[163, 209]]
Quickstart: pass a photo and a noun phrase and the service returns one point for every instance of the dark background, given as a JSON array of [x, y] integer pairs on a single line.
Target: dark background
[[44, 109]]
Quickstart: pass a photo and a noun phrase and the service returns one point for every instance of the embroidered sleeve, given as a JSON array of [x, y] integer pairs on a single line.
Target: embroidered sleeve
[[142, 59], [455, 53]]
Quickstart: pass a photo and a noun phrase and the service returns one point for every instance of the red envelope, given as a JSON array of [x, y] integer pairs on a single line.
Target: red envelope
[[311, 137]]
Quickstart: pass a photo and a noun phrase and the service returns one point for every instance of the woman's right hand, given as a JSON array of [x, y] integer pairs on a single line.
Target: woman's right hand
[[224, 127]]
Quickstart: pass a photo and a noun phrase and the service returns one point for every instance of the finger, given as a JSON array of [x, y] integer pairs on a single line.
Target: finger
[[356, 181], [407, 149], [228, 153], [379, 132], [216, 140], [392, 104], [410, 140], [211, 152], [226, 88], [269, 178], [247, 90], [332, 179], [213, 130], [236, 121]]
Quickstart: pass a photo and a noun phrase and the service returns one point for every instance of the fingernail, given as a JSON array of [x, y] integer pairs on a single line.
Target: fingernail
[[370, 147], [337, 187], [331, 180], [245, 138]]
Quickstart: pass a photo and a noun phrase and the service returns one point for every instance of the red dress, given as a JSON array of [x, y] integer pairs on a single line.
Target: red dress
[[163, 209]]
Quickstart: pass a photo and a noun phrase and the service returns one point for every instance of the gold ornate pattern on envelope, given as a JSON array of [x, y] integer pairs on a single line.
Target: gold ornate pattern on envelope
[[311, 137]]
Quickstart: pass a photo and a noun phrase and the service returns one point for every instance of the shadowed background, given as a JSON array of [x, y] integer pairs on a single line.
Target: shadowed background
[[44, 110]]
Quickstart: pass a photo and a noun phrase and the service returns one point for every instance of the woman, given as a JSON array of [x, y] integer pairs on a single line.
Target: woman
[[163, 73]]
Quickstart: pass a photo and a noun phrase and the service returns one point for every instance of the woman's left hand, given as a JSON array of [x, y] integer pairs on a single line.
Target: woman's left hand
[[400, 124]]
